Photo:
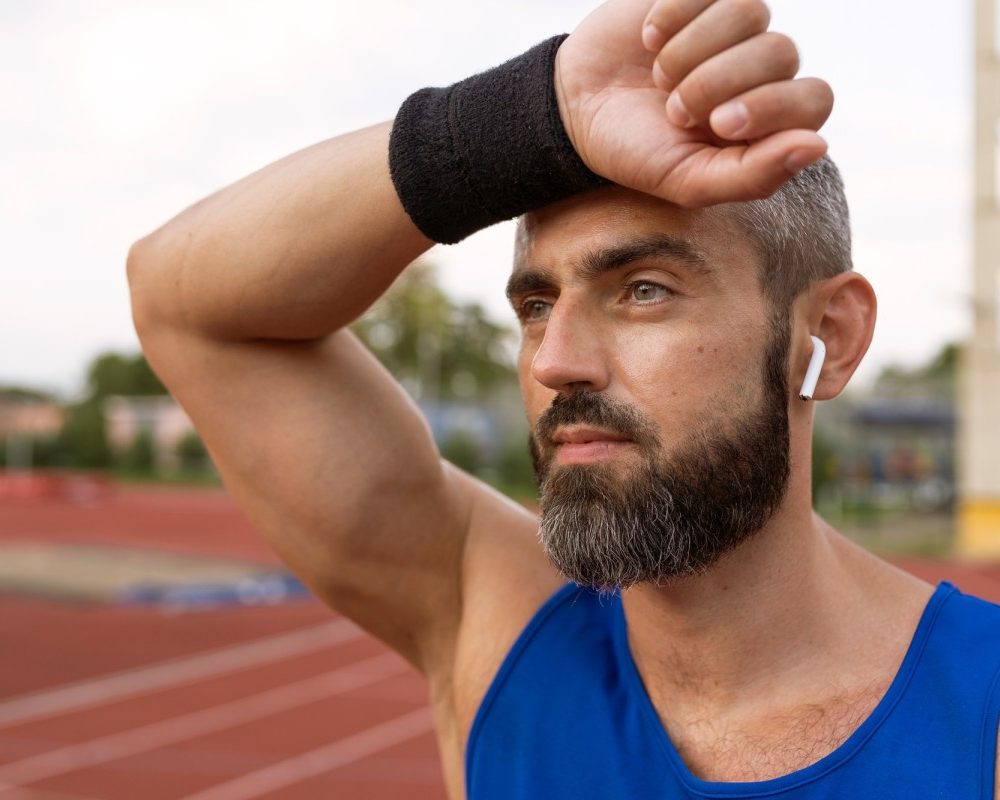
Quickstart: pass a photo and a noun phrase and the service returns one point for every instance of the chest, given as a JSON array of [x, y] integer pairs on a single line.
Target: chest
[[773, 744]]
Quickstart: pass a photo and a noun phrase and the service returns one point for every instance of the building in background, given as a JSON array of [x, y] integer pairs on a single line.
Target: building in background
[[25, 416], [31, 418], [160, 416], [979, 446]]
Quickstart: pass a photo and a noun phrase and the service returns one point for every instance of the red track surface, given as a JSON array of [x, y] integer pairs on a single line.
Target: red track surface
[[113, 702]]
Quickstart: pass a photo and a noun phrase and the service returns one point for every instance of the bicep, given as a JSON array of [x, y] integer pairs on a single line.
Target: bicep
[[334, 465]]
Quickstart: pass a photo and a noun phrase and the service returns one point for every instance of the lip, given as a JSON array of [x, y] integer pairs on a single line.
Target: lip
[[581, 445], [583, 435]]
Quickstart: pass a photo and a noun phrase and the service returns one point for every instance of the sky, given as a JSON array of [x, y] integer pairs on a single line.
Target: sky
[[117, 115]]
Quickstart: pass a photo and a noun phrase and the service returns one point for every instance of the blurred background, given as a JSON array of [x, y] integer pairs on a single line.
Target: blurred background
[[153, 646]]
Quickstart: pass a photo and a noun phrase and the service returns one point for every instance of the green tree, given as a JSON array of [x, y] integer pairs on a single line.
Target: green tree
[[82, 442], [116, 374], [515, 471], [22, 394], [944, 364], [463, 451], [44, 451], [192, 453], [83, 439], [823, 458], [935, 379], [437, 348], [139, 458]]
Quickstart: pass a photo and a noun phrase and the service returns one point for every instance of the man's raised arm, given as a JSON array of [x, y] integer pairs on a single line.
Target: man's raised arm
[[294, 251], [240, 303]]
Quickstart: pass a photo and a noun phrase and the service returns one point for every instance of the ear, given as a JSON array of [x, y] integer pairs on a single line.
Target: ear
[[841, 311]]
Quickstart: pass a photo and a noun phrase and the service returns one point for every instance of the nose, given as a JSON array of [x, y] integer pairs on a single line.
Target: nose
[[571, 355]]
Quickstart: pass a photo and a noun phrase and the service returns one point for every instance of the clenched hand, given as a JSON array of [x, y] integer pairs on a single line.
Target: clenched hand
[[693, 101]]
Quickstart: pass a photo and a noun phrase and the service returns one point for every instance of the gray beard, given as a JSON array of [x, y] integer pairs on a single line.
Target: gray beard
[[610, 526]]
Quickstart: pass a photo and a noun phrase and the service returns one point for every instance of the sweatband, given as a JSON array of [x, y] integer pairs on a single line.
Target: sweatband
[[485, 149]]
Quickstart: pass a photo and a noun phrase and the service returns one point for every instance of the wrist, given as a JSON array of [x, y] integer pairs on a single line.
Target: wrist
[[485, 149]]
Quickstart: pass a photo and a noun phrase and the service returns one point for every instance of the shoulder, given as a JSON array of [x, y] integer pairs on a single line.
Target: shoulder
[[972, 621], [973, 626]]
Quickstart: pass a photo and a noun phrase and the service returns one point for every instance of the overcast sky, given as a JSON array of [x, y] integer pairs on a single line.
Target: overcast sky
[[116, 115]]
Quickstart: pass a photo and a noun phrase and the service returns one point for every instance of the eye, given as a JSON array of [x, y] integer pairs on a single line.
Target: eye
[[647, 292], [534, 310]]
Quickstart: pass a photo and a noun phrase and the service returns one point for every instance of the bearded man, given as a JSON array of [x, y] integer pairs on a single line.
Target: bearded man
[[682, 256]]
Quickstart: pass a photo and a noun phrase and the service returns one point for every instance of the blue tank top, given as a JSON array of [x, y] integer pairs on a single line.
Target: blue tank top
[[567, 716]]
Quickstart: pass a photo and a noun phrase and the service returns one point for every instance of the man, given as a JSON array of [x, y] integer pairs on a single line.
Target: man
[[667, 313]]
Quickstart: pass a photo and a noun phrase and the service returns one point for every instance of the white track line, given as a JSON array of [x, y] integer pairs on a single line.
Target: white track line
[[199, 723], [322, 759], [175, 671]]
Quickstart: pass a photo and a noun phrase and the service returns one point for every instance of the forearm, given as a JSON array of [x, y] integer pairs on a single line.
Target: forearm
[[295, 250]]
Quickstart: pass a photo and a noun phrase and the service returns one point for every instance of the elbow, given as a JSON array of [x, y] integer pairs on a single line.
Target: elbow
[[138, 257], [134, 264], [138, 271]]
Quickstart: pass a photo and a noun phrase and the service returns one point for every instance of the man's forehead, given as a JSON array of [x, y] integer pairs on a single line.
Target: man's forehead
[[615, 217]]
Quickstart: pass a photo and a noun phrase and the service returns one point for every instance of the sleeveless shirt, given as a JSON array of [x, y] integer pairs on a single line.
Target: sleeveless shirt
[[567, 716]]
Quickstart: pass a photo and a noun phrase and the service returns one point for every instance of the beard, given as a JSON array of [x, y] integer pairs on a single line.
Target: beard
[[613, 525]]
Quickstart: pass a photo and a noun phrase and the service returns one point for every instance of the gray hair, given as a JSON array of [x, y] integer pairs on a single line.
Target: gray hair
[[802, 233]]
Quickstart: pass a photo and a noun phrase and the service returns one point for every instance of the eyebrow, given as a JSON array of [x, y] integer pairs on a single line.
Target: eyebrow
[[596, 263]]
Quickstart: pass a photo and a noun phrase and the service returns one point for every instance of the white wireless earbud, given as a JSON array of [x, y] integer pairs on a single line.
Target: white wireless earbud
[[813, 370]]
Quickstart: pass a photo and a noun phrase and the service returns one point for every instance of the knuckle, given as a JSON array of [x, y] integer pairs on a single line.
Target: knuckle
[[825, 93], [785, 53], [696, 92], [664, 16], [670, 16], [820, 98], [754, 14], [670, 68]]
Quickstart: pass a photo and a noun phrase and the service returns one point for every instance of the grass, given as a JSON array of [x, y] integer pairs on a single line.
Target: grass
[[205, 479]]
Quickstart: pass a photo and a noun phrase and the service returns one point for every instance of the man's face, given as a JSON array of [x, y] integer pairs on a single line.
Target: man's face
[[658, 440]]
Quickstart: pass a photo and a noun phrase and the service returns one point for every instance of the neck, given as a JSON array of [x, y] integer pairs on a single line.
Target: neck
[[794, 605]]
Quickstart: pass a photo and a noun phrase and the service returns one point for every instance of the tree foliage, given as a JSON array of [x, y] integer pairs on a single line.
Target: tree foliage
[[140, 457], [437, 348], [83, 441], [933, 379], [21, 394], [116, 374], [192, 453]]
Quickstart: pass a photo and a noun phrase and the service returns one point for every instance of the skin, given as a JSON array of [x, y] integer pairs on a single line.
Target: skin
[[241, 302]]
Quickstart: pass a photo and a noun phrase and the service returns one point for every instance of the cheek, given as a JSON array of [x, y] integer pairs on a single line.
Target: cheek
[[689, 363], [683, 378]]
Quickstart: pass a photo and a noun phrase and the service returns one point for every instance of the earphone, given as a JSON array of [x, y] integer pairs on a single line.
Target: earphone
[[813, 370]]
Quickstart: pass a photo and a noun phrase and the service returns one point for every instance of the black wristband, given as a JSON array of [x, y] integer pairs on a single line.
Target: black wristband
[[485, 149]]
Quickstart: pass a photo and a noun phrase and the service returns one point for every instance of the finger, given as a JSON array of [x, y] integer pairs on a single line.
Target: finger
[[764, 59], [742, 172], [804, 103], [666, 18], [720, 26]]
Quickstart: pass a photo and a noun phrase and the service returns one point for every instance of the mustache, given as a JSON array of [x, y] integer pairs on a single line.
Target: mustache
[[591, 408]]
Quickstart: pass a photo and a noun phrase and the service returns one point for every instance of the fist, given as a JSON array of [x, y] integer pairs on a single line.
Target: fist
[[693, 101]]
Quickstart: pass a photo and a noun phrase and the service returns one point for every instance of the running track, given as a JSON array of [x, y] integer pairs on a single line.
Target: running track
[[111, 702], [115, 702]]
